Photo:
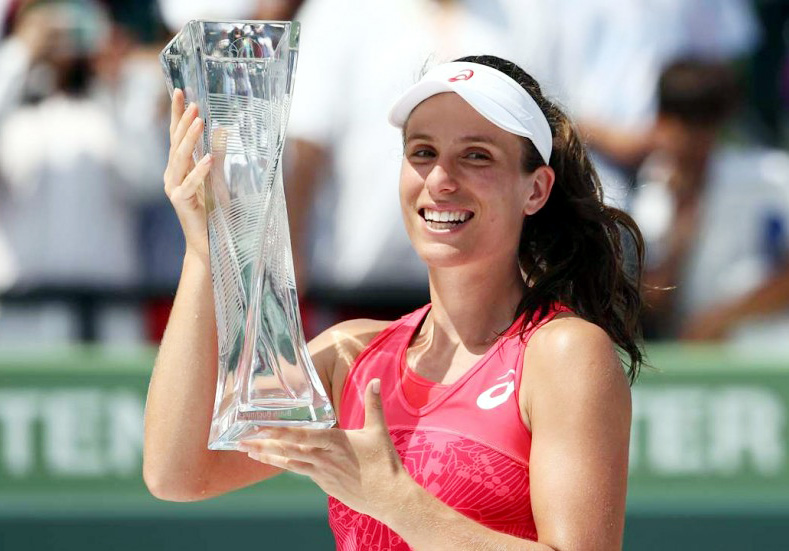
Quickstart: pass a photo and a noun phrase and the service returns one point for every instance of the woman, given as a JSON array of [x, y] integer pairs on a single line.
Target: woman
[[498, 416]]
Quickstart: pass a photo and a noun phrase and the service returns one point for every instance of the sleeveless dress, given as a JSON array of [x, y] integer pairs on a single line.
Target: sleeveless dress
[[465, 443]]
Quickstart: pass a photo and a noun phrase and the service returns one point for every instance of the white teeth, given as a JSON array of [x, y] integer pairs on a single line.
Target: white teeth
[[446, 216]]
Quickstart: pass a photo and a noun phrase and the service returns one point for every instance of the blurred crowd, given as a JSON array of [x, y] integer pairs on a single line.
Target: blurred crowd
[[683, 105]]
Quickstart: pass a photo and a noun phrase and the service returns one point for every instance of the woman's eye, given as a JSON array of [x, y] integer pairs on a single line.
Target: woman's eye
[[478, 156], [423, 153]]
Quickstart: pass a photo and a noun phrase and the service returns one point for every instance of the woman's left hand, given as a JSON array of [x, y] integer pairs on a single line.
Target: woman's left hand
[[360, 468]]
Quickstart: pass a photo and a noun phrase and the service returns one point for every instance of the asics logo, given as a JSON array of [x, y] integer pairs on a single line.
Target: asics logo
[[497, 394], [462, 75]]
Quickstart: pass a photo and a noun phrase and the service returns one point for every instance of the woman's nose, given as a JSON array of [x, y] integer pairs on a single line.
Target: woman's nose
[[440, 180]]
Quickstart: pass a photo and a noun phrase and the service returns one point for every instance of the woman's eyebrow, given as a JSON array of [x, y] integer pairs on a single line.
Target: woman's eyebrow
[[480, 138], [411, 137], [464, 139]]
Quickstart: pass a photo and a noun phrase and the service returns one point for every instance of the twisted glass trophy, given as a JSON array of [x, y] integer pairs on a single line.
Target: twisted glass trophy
[[240, 74]]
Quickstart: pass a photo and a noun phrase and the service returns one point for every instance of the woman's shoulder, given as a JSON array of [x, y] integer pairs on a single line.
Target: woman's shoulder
[[569, 333], [571, 359], [357, 331], [348, 338], [335, 350], [342, 343]]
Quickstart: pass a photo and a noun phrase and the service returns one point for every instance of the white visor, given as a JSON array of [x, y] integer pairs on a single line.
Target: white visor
[[490, 92]]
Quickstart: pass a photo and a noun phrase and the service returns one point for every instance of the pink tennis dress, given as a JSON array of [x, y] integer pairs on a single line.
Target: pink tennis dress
[[465, 442]]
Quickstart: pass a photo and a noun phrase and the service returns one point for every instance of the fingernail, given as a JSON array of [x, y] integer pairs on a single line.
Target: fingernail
[[207, 158], [244, 447], [376, 386]]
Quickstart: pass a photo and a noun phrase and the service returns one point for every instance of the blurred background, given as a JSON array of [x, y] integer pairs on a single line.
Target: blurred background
[[683, 103]]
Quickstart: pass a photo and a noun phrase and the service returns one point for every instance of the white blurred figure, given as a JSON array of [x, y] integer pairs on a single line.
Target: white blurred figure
[[715, 218], [176, 13], [63, 207], [605, 58], [343, 158]]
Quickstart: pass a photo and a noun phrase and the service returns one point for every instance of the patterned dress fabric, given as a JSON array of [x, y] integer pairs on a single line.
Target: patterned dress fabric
[[468, 445]]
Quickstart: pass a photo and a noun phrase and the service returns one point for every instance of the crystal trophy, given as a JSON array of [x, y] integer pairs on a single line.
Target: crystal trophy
[[240, 74]]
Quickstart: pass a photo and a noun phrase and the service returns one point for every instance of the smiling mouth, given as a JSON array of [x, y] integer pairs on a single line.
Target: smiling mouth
[[445, 220]]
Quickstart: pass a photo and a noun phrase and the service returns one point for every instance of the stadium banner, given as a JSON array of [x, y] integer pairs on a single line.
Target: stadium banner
[[709, 434]]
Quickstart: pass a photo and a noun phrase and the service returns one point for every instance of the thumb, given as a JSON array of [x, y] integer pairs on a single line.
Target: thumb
[[373, 408]]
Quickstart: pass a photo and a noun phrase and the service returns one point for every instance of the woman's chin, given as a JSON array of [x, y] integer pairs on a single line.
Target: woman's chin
[[440, 255]]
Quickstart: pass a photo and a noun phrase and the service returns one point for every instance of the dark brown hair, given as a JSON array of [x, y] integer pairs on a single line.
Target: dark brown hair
[[576, 250], [698, 92]]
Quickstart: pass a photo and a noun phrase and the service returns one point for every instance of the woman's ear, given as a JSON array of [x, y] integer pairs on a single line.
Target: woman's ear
[[542, 183]]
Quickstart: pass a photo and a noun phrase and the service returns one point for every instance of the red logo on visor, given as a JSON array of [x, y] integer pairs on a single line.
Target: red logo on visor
[[462, 75]]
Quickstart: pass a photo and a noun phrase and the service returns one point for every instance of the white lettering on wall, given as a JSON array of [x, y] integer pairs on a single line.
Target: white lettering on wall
[[746, 430], [18, 411], [689, 430], [125, 431], [70, 432]]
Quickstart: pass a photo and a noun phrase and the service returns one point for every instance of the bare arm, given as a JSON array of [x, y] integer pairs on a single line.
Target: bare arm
[[428, 524], [625, 147], [660, 280], [177, 464], [715, 323], [26, 45], [578, 405]]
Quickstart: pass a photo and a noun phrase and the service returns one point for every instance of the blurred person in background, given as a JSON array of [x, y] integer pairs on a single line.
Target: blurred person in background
[[176, 13], [604, 59], [63, 203], [342, 161], [715, 217], [7, 264]]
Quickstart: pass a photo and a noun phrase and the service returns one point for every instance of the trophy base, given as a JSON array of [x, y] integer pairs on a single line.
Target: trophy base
[[245, 431], [237, 425]]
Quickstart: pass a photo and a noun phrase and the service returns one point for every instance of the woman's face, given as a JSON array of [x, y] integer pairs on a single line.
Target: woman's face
[[463, 191]]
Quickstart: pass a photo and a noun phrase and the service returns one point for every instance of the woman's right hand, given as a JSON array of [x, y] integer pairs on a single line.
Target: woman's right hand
[[183, 180]]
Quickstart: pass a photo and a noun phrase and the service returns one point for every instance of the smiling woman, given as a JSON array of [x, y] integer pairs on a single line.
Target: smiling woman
[[459, 163], [495, 417]]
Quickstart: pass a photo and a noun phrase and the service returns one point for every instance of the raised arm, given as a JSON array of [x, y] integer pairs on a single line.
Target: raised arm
[[177, 465]]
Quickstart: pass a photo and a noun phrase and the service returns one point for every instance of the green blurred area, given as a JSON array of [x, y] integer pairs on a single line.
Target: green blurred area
[[709, 465]]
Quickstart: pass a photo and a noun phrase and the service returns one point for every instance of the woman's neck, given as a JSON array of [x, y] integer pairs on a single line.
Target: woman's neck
[[472, 305]]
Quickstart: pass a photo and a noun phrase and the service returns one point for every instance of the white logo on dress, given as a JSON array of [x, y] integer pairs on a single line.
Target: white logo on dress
[[497, 394]]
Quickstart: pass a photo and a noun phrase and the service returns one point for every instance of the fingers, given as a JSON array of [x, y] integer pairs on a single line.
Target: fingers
[[373, 409], [315, 438], [297, 458], [287, 463], [177, 108], [281, 448], [181, 158], [184, 124], [187, 189]]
